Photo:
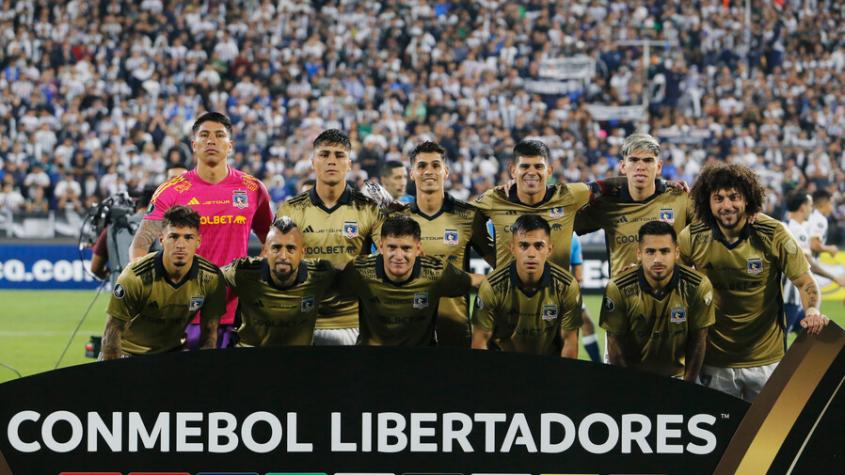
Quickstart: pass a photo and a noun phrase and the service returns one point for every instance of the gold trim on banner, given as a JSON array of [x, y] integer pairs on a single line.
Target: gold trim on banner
[[773, 414]]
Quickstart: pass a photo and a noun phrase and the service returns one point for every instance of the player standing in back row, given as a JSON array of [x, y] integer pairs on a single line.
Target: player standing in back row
[[338, 223], [744, 261], [230, 204]]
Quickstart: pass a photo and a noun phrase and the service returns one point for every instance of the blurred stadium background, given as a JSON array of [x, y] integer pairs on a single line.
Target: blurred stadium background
[[96, 98]]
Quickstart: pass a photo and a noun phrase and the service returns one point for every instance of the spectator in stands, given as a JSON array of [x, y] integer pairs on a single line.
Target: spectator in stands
[[80, 82]]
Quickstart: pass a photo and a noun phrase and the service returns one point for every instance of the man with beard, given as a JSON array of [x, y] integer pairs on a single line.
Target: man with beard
[[278, 293], [744, 261], [155, 298], [657, 315]]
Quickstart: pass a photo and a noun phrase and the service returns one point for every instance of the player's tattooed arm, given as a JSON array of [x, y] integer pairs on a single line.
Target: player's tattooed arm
[[208, 334], [696, 346], [813, 320], [146, 235], [111, 349]]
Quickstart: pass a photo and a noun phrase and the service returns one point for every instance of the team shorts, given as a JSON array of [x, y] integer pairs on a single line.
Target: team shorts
[[744, 383], [335, 336]]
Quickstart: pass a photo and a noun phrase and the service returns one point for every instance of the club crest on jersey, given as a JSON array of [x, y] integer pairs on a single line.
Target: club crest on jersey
[[678, 315], [609, 304], [350, 229], [549, 313], [754, 266], [667, 215], [118, 291], [556, 212], [196, 303], [421, 300], [240, 199], [450, 237], [306, 304]]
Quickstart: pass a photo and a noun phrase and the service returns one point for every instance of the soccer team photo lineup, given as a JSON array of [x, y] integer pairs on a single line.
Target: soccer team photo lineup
[[656, 187]]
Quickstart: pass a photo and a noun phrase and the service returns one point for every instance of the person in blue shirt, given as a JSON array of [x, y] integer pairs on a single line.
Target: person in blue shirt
[[588, 337]]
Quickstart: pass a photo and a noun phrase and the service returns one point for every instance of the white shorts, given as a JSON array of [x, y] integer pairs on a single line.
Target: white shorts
[[335, 336], [744, 383]]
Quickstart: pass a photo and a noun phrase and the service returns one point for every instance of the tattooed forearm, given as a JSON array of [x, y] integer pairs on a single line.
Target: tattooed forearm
[[111, 339], [811, 290], [144, 238]]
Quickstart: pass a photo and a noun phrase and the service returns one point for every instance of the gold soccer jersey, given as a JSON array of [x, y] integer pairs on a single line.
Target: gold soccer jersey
[[558, 207], [156, 310], [274, 316], [657, 329], [401, 314], [528, 323], [447, 235], [748, 295], [337, 235], [621, 219]]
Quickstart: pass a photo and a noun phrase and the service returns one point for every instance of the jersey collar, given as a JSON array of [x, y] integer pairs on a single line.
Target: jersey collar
[[301, 275], [161, 271], [545, 279], [513, 198], [383, 276], [625, 194], [743, 235], [673, 283], [344, 199], [448, 207]]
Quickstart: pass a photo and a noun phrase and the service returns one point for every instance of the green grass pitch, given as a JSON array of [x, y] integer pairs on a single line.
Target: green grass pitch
[[36, 325]]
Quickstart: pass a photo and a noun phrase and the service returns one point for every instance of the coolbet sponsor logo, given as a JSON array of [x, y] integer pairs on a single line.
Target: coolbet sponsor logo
[[222, 219]]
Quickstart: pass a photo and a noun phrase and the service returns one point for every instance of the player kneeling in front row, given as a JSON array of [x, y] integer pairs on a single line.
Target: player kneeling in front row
[[398, 289], [529, 305], [657, 316], [279, 293], [155, 298]]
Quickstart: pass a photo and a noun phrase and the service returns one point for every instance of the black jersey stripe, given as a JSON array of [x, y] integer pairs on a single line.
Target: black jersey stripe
[[299, 198], [697, 228], [561, 276], [690, 277]]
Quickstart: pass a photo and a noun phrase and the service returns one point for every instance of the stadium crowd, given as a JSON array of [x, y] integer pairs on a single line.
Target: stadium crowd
[[98, 97]]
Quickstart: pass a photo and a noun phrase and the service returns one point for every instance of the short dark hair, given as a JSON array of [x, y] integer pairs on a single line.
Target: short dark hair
[[427, 147], [389, 166], [714, 178], [530, 148], [400, 225], [333, 137], [182, 216], [796, 199], [285, 224], [530, 222], [821, 195], [212, 116], [657, 228]]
